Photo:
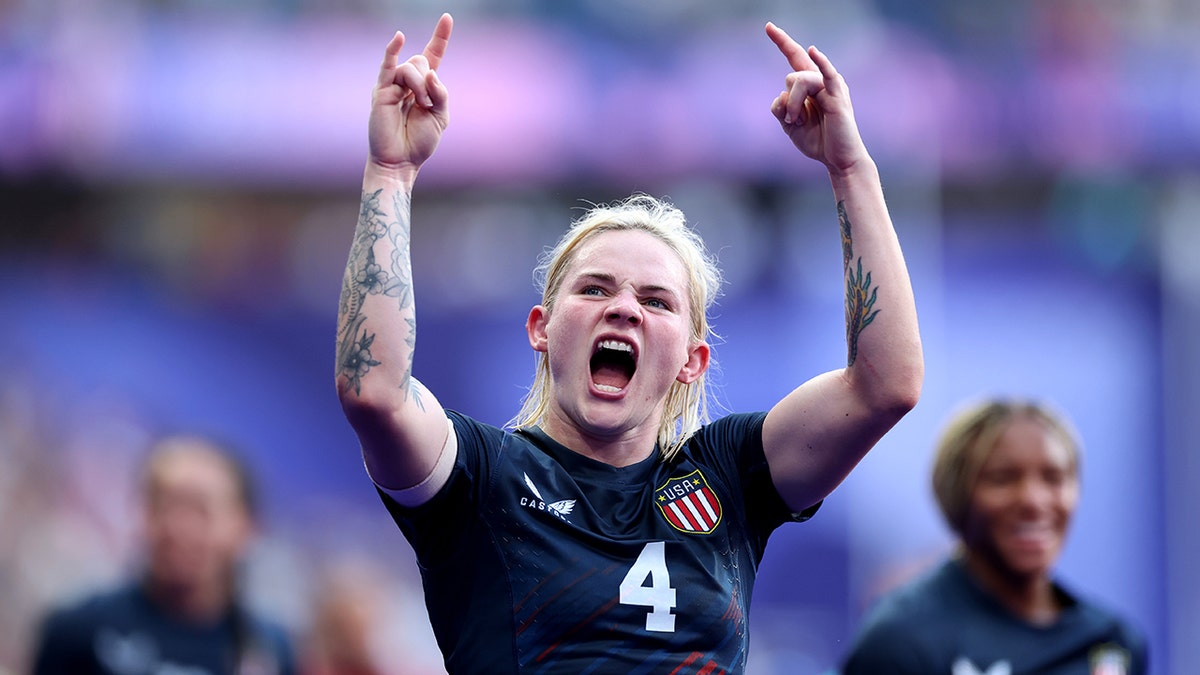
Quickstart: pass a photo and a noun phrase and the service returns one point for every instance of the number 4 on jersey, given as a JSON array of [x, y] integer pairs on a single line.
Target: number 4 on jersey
[[651, 565]]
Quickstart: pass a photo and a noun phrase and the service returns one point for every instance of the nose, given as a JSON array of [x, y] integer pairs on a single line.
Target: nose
[[1034, 493], [624, 307]]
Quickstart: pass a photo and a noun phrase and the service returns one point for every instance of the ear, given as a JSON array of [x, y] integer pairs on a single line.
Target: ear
[[696, 364], [535, 326]]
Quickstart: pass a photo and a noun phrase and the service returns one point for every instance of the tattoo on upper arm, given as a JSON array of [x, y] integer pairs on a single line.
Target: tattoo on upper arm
[[860, 295], [365, 276]]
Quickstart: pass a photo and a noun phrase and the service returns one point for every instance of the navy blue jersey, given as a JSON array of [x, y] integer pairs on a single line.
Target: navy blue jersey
[[536, 559], [121, 632], [945, 624]]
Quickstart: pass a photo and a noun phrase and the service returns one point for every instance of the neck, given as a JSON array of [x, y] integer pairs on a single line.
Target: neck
[[619, 451], [1030, 597]]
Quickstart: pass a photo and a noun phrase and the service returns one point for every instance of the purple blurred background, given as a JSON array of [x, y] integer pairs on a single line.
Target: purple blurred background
[[179, 181]]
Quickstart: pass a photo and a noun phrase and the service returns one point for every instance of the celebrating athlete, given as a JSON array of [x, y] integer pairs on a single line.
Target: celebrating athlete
[[612, 527]]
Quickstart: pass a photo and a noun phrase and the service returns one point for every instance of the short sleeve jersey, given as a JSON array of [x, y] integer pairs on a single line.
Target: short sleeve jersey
[[121, 632], [945, 624], [536, 559]]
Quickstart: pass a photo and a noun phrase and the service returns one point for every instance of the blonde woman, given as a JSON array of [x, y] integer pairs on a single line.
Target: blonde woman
[[613, 529]]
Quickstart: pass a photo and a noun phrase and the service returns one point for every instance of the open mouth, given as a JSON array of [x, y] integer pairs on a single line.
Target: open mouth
[[613, 365], [1031, 534]]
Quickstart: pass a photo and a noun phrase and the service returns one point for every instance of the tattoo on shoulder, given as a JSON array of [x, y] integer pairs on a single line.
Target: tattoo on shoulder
[[860, 293]]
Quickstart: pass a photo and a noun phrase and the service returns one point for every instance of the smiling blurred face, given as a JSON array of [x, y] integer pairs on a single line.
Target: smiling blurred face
[[196, 522], [618, 336], [1022, 502]]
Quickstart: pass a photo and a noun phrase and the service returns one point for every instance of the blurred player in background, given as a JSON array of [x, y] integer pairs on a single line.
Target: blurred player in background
[[183, 612], [1006, 477]]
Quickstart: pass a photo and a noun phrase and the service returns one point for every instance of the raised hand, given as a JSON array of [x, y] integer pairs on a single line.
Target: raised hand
[[814, 108], [409, 107]]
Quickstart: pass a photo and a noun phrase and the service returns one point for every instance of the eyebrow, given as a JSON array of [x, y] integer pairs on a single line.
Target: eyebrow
[[652, 289]]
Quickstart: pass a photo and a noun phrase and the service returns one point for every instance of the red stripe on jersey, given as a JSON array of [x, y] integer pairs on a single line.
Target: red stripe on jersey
[[675, 515], [576, 628], [697, 512], [521, 603], [549, 601], [686, 662], [713, 507], [681, 513]]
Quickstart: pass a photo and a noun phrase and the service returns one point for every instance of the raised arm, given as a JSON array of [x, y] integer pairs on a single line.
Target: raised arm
[[820, 431], [401, 426]]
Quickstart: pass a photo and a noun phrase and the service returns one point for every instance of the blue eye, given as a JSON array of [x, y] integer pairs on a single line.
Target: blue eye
[[592, 290], [656, 303]]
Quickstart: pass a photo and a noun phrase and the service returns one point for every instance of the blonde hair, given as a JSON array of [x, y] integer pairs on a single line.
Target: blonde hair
[[969, 438], [686, 405]]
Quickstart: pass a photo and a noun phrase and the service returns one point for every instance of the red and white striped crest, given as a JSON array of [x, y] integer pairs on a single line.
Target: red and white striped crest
[[689, 504]]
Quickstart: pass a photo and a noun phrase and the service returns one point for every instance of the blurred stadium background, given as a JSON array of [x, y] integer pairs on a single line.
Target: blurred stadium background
[[179, 180]]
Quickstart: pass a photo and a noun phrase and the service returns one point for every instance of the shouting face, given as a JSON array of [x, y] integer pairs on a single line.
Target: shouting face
[[617, 338], [1022, 502]]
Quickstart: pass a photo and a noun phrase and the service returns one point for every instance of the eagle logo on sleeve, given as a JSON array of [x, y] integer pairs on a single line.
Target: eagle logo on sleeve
[[689, 504]]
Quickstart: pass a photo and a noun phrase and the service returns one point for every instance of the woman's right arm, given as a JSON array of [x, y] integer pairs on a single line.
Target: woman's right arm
[[401, 426]]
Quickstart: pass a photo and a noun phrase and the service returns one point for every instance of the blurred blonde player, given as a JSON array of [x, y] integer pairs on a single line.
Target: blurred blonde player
[[1006, 477]]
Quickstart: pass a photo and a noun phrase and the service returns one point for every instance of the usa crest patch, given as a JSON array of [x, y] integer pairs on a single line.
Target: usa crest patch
[[689, 504]]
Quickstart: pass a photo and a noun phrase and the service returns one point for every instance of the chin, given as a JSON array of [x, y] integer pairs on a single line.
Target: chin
[[1030, 566]]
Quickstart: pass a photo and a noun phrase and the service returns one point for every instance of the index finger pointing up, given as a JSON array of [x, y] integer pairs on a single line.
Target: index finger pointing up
[[436, 49], [797, 57]]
